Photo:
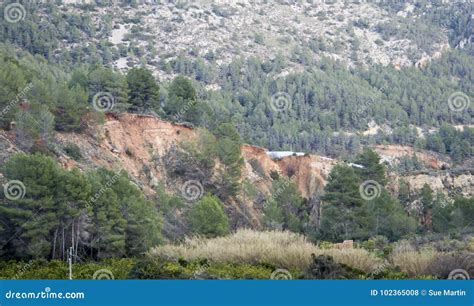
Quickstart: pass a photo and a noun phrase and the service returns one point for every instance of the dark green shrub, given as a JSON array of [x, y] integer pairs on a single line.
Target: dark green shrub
[[155, 268], [274, 175], [444, 264], [388, 272], [56, 269], [324, 267], [257, 167], [208, 218], [73, 151]]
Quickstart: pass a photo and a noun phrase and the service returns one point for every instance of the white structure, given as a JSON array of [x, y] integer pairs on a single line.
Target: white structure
[[356, 165], [281, 154]]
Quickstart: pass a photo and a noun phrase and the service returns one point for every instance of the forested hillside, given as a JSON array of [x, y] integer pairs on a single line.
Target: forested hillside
[[146, 136], [298, 101]]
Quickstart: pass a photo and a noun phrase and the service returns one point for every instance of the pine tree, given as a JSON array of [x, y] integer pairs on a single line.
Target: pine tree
[[107, 219], [143, 222], [69, 113], [373, 169], [426, 200], [144, 92], [404, 192], [229, 153], [388, 218], [343, 212], [208, 218], [41, 224], [286, 208]]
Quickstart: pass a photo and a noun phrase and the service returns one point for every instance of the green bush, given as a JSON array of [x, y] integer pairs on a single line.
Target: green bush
[[201, 269], [389, 272], [56, 269], [73, 151], [378, 244], [324, 267], [240, 271], [326, 245], [208, 218], [257, 167]]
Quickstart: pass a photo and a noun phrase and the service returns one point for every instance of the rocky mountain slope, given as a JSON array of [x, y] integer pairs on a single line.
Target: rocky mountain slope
[[145, 147], [353, 32]]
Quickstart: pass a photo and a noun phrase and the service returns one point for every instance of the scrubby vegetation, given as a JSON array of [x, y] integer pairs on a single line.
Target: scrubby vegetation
[[109, 222], [100, 214], [207, 217], [303, 259], [284, 249], [57, 269]]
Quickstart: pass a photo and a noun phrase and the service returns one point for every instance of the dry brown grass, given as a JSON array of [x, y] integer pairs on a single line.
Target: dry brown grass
[[357, 258], [282, 249], [415, 263]]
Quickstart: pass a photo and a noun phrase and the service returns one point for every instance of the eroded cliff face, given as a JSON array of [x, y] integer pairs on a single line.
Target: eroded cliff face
[[308, 172], [450, 184], [134, 143], [141, 145], [392, 154]]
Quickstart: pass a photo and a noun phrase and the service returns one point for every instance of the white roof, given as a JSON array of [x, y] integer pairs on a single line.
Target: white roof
[[281, 154]]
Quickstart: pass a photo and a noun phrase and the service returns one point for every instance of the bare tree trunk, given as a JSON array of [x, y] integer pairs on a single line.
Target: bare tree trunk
[[77, 236], [72, 233], [63, 242], [54, 243]]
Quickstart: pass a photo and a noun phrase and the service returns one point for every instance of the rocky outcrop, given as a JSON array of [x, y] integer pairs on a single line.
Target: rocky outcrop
[[142, 145], [393, 153], [448, 183], [220, 31]]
